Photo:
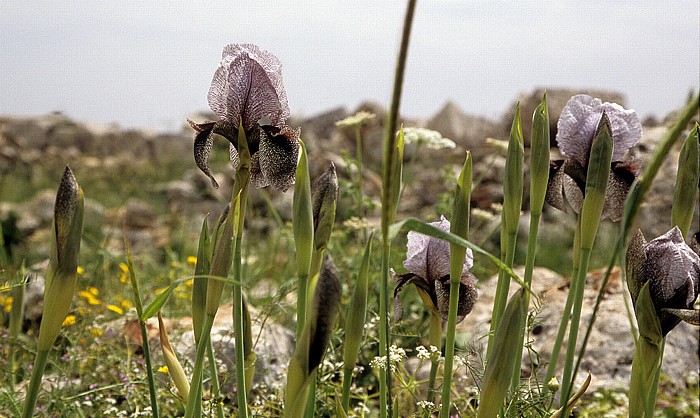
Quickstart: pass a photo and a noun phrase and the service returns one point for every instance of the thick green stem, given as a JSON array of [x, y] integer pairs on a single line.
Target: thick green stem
[[450, 345], [435, 338], [35, 383], [564, 324], [347, 384], [643, 384], [529, 267], [214, 373], [567, 378], [194, 402], [242, 391], [502, 288]]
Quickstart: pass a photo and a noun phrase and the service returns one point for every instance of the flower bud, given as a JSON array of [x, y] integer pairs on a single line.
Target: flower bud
[[63, 263]]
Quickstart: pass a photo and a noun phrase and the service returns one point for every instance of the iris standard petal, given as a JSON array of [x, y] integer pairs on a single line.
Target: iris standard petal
[[248, 86], [579, 121]]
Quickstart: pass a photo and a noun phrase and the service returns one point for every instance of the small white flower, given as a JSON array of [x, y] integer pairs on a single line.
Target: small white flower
[[431, 139], [423, 353]]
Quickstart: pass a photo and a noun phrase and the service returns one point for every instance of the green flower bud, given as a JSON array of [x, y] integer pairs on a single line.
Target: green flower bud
[[596, 182], [539, 156], [324, 199], [685, 196], [175, 370], [513, 176], [63, 263]]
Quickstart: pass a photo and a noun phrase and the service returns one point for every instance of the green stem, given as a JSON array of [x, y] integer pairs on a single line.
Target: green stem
[[384, 340], [311, 399], [195, 398], [646, 367], [435, 339], [567, 377], [502, 288], [35, 383], [149, 369], [564, 324], [651, 399], [388, 215], [242, 394], [214, 373], [527, 278], [347, 383], [450, 345]]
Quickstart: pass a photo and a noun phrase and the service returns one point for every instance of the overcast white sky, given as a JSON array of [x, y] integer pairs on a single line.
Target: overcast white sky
[[149, 64]]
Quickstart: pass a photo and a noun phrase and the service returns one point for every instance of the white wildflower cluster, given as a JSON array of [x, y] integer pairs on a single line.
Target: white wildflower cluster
[[358, 119], [459, 361], [423, 353], [428, 406], [372, 323], [431, 139], [396, 356]]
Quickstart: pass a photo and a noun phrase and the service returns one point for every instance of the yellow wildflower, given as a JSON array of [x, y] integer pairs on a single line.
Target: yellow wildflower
[[70, 320], [192, 260], [126, 304], [93, 290], [80, 270], [163, 369], [115, 309], [124, 268], [96, 332]]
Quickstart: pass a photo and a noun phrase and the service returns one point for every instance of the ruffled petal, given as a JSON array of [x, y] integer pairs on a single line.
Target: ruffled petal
[[248, 86], [579, 121]]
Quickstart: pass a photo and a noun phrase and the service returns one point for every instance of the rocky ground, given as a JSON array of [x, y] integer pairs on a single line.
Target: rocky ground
[[146, 216]]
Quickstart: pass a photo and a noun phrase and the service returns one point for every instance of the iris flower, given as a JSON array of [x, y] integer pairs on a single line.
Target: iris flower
[[672, 270], [247, 92], [575, 131], [428, 263]]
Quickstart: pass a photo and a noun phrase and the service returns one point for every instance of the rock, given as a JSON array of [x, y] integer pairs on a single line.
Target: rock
[[556, 100], [610, 349], [469, 132], [274, 345], [138, 215]]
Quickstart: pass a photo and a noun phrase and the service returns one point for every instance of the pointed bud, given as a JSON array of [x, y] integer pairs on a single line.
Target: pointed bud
[[513, 177], [685, 196], [175, 370], [199, 285], [596, 182], [539, 157], [63, 263], [324, 200]]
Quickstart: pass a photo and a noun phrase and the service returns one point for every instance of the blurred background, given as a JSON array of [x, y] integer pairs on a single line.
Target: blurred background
[[149, 64]]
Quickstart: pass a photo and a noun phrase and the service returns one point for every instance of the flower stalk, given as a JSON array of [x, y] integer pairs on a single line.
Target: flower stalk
[[459, 227], [539, 177], [61, 277], [594, 199], [391, 185], [512, 203]]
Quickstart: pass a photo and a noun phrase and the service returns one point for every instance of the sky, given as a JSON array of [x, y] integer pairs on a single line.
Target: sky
[[148, 64]]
